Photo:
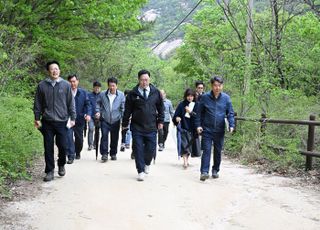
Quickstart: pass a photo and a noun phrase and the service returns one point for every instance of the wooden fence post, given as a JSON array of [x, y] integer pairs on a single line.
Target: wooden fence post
[[235, 121], [310, 144], [263, 124]]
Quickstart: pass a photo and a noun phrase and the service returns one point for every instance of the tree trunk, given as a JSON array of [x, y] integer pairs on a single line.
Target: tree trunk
[[278, 38], [248, 52]]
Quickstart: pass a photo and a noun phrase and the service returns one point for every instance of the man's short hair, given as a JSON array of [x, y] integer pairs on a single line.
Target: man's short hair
[[199, 83], [50, 63], [112, 80], [143, 71], [217, 79], [72, 76], [96, 83], [126, 92]]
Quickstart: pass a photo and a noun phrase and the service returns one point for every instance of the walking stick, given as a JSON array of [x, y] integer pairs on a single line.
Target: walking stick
[[85, 129], [96, 135]]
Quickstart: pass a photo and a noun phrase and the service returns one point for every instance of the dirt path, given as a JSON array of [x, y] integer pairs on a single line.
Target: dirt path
[[94, 195]]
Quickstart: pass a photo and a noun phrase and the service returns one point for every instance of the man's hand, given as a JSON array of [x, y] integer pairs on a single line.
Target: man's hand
[[124, 128], [72, 123], [37, 124], [188, 110], [199, 130], [97, 115], [160, 126], [178, 119], [87, 118]]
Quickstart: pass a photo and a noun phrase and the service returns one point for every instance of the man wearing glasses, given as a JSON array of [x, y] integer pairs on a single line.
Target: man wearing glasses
[[144, 105], [199, 89]]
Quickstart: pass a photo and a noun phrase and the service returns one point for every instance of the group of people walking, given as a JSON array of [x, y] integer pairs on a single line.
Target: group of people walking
[[62, 109]]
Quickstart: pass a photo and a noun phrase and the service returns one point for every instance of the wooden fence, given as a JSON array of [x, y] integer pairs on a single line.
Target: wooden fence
[[311, 123]]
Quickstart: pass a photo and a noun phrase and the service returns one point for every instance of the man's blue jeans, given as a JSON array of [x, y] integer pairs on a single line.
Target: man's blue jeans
[[144, 148], [75, 145], [71, 153], [91, 141], [113, 129], [208, 139]]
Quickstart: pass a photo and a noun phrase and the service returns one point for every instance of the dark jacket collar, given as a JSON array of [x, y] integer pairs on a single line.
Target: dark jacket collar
[[213, 97], [107, 91], [152, 89]]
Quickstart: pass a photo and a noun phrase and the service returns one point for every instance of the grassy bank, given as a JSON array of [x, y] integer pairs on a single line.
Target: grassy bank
[[20, 142]]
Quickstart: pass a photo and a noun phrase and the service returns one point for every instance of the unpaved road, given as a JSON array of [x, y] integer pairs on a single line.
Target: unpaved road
[[96, 195]]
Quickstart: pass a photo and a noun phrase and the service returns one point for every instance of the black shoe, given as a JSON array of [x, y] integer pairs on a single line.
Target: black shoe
[[113, 157], [204, 176], [161, 147], [49, 176], [122, 148], [215, 174], [61, 171], [132, 156], [104, 157], [70, 161], [78, 156], [90, 147]]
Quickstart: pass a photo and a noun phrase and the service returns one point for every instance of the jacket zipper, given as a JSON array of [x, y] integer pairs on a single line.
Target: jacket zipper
[[53, 103]]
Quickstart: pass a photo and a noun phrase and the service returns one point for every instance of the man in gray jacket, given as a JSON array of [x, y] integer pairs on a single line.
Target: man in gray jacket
[[53, 105], [109, 109], [168, 115]]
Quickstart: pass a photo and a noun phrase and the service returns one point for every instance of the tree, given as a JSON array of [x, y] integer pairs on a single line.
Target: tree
[[62, 30]]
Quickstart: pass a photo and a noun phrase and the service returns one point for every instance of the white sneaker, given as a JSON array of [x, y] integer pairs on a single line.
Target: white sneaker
[[140, 176], [146, 169]]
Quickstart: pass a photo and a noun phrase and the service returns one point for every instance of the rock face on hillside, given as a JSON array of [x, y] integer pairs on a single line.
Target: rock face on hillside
[[164, 16], [167, 47], [149, 16]]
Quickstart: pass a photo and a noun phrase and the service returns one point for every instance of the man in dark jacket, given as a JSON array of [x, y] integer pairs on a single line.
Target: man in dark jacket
[[93, 100], [145, 107], [83, 110], [212, 109], [54, 104]]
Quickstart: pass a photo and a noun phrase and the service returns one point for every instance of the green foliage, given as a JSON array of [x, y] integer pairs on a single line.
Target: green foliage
[[33, 32], [20, 142], [284, 71], [16, 60]]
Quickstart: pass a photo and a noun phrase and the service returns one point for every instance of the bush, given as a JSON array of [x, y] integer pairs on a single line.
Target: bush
[[20, 142], [278, 147]]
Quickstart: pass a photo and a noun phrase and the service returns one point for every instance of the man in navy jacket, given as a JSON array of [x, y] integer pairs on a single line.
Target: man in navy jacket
[[93, 100], [212, 109], [83, 110]]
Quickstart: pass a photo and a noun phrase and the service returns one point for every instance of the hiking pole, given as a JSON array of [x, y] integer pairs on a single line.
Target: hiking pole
[[85, 129], [96, 135]]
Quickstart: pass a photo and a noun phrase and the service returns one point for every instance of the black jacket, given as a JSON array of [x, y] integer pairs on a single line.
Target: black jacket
[[146, 113], [186, 123]]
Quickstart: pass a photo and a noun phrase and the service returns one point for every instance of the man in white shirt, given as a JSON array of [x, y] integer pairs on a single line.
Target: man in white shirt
[[109, 109]]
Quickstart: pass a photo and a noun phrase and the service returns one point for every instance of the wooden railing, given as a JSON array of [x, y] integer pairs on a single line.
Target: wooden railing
[[312, 123]]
